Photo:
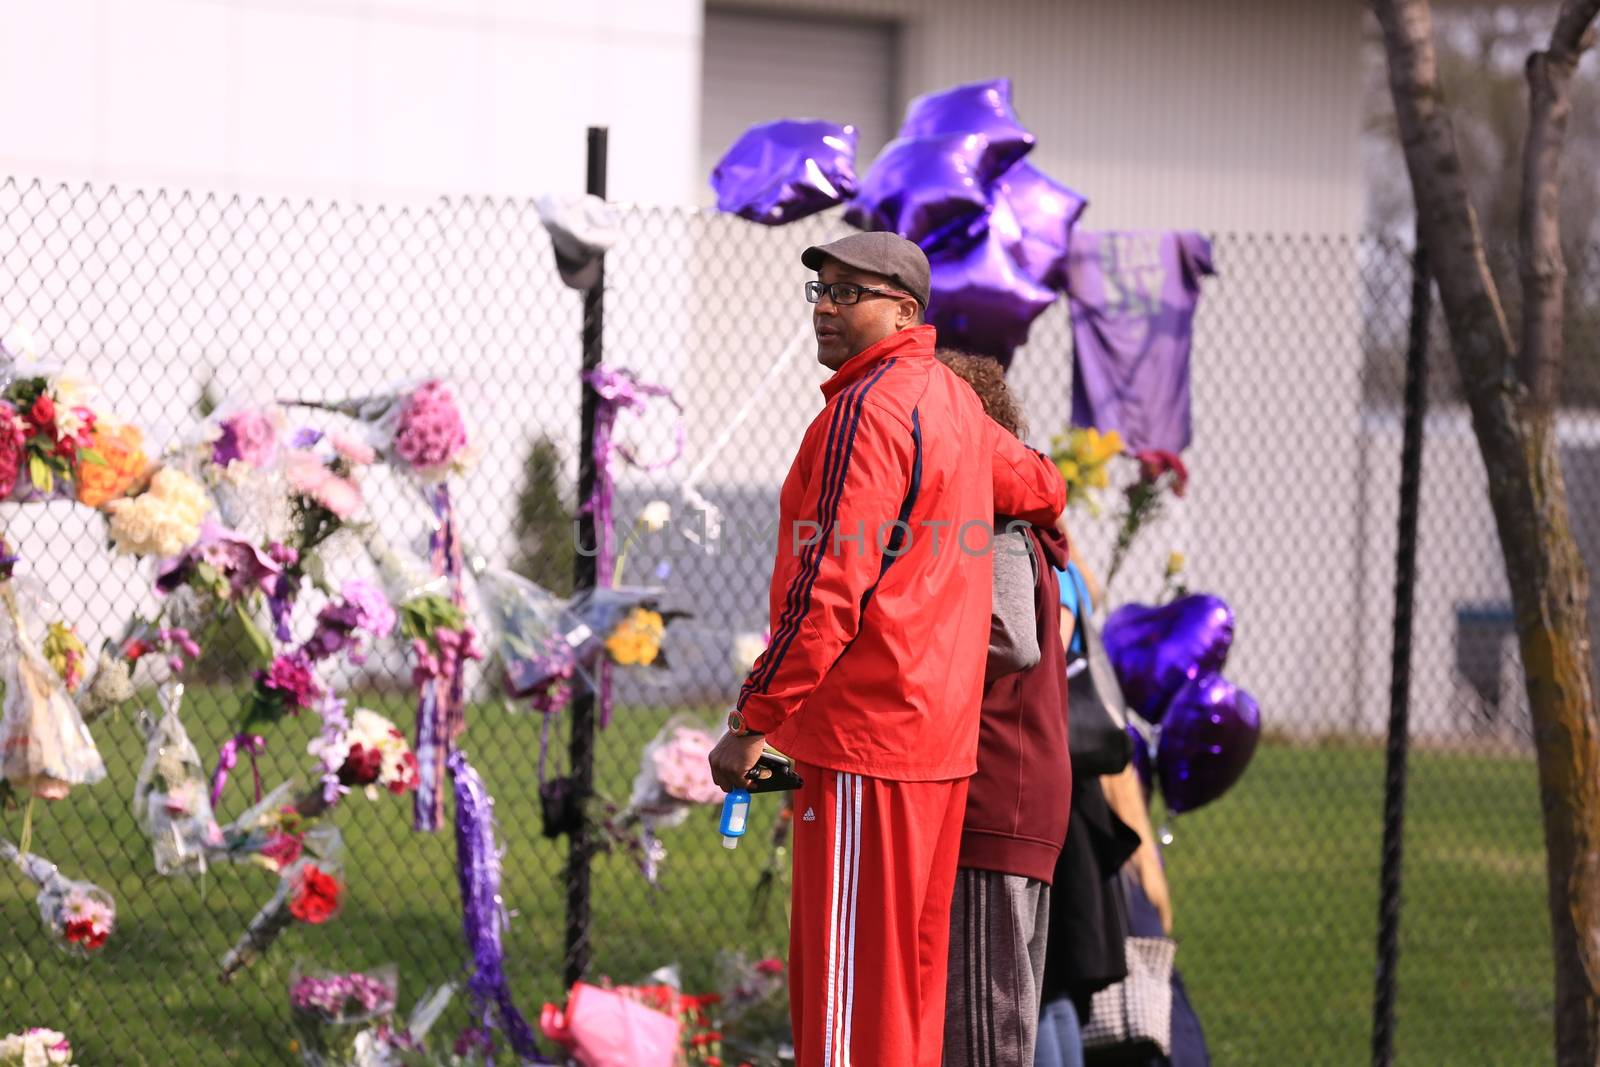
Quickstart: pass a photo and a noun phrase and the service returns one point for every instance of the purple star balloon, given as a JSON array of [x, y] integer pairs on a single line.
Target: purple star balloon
[[921, 189], [1034, 215], [1208, 734], [980, 107], [982, 303], [1155, 650], [781, 171]]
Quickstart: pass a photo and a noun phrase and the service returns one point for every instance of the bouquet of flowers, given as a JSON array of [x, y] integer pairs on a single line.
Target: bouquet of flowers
[[536, 638], [52, 440], [45, 748], [330, 1010], [64, 651], [36, 1047], [1083, 455], [310, 890], [366, 752], [417, 428], [162, 521], [274, 834], [699, 1037], [1159, 473], [170, 799], [79, 916], [755, 1010], [673, 778], [338, 1028]]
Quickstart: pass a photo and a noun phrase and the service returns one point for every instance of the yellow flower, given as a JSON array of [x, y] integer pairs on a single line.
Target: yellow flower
[[1175, 564], [637, 638]]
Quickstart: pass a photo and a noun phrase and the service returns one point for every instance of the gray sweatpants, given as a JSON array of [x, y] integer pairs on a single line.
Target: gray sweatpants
[[998, 927]]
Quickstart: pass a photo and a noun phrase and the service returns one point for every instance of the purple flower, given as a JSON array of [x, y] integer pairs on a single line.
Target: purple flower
[[244, 566], [305, 437], [373, 613]]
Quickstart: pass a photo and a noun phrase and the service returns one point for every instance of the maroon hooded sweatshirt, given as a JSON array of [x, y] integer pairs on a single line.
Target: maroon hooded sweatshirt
[[1018, 801]]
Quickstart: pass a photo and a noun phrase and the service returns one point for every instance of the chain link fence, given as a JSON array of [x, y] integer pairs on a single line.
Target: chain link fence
[[172, 302]]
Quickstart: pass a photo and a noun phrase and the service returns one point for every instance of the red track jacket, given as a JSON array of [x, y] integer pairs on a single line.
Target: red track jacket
[[881, 588]]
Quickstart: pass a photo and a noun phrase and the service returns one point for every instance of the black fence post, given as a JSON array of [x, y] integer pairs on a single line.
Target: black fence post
[[581, 745], [1405, 577]]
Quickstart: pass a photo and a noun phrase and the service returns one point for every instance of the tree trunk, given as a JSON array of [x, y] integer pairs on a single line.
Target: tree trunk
[[1514, 421]]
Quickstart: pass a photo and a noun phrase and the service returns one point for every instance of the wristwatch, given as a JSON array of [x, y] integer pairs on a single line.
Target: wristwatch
[[738, 727]]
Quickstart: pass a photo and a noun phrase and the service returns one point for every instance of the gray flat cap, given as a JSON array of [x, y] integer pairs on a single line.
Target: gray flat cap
[[880, 252]]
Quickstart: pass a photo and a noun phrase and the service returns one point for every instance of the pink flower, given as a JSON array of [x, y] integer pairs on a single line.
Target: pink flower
[[430, 433], [305, 472], [292, 676], [249, 437], [339, 495], [352, 449]]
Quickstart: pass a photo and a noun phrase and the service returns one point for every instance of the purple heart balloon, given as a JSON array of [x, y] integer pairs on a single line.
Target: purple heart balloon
[[1034, 215], [777, 172], [1155, 650], [982, 302], [1208, 734], [1141, 757], [922, 188], [979, 107]]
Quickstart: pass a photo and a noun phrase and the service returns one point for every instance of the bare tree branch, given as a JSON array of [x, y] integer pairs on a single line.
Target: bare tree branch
[[1448, 224], [1542, 268]]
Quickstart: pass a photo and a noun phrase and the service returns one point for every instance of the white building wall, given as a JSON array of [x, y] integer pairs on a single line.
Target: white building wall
[[390, 99], [1229, 115]]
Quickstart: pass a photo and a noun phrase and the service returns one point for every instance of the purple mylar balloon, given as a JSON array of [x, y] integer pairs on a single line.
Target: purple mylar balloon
[[1156, 650], [982, 303], [1141, 758], [922, 188], [1208, 735], [979, 107], [1034, 215], [777, 172]]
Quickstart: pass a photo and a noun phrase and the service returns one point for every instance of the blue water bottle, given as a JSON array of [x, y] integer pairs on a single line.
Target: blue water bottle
[[735, 814]]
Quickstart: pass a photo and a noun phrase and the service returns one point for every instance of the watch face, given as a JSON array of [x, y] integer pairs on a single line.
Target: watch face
[[736, 722]]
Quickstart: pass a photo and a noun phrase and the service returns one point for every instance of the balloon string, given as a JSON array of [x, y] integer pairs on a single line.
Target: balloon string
[[689, 487]]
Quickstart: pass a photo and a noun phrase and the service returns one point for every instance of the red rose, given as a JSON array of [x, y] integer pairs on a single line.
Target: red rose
[[362, 766], [43, 412], [1154, 463], [316, 896]]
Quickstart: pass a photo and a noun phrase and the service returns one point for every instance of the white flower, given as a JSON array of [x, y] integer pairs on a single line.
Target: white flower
[[747, 648], [655, 515]]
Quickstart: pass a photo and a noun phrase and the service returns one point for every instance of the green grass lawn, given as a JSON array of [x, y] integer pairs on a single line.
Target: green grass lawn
[[1275, 891]]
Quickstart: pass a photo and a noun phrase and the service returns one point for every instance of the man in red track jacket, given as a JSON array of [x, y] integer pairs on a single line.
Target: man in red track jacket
[[873, 679]]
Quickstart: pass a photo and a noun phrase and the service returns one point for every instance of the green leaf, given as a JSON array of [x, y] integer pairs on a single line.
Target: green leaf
[[92, 457], [258, 640], [40, 475]]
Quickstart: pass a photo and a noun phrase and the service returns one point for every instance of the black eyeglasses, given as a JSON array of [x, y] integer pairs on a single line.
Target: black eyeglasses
[[843, 293]]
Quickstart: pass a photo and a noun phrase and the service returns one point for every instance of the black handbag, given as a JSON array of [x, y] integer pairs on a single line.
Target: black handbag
[[1097, 719]]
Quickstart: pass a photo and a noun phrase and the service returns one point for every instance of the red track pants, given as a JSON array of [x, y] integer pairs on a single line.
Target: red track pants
[[869, 936]]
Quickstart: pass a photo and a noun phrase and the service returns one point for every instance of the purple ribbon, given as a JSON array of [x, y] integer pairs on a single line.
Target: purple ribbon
[[619, 391], [441, 706], [228, 759], [483, 913]]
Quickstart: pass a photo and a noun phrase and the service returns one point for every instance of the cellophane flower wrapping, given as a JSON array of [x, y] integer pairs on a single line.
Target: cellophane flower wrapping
[[331, 1010], [45, 748], [537, 638], [755, 1009], [78, 916], [171, 798], [674, 775]]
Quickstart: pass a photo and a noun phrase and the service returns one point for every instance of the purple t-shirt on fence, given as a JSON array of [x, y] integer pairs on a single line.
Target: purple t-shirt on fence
[[1133, 299]]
